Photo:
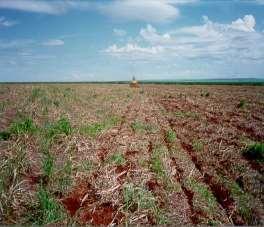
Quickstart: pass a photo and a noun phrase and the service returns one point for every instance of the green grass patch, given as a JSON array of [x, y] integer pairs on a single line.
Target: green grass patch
[[138, 126], [204, 194], [241, 104], [243, 199], [36, 93], [198, 145], [5, 135], [61, 127], [205, 94], [138, 198], [117, 159], [2, 106], [47, 210], [68, 92], [141, 127], [23, 126], [48, 165], [94, 129], [157, 166], [170, 136], [255, 152]]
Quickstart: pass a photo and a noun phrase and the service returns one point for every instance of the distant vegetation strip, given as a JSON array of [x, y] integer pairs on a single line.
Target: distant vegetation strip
[[190, 82]]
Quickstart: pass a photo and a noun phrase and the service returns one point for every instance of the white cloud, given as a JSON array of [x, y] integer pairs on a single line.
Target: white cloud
[[136, 10], [54, 42], [211, 40], [119, 32], [7, 23], [55, 7], [133, 49], [246, 24], [151, 35], [141, 10]]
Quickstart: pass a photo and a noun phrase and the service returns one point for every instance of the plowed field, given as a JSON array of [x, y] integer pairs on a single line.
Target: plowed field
[[110, 154]]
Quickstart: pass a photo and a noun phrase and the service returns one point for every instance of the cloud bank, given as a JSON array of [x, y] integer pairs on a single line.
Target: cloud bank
[[136, 10], [235, 41]]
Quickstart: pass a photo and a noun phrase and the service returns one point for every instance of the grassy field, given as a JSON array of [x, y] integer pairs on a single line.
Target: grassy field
[[108, 154]]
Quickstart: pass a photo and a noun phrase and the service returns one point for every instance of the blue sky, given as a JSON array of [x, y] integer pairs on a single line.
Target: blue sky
[[66, 40]]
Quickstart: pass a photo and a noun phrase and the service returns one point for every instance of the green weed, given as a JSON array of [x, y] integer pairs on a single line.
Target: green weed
[[56, 103], [62, 126], [255, 152], [205, 94], [156, 164], [68, 92], [2, 106], [204, 193], [117, 159], [48, 210], [198, 145], [137, 198], [94, 129], [170, 136], [5, 135], [241, 104], [242, 199], [48, 165], [151, 128], [36, 93], [138, 126], [23, 126]]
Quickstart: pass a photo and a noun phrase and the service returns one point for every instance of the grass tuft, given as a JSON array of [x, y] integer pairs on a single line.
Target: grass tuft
[[48, 210], [255, 152], [141, 127], [241, 104], [48, 165], [94, 129], [204, 193], [156, 164], [198, 145], [23, 126], [36, 93], [117, 159], [62, 126], [137, 198], [243, 199], [5, 135], [170, 136]]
